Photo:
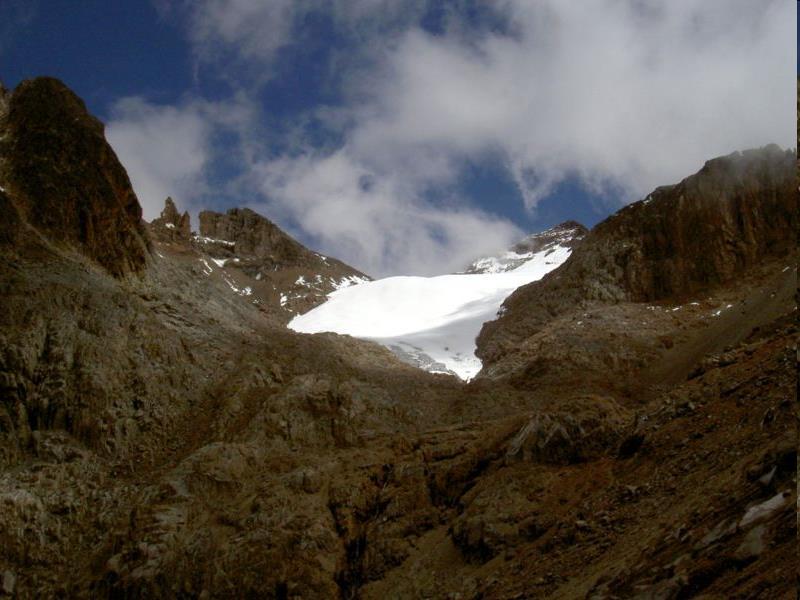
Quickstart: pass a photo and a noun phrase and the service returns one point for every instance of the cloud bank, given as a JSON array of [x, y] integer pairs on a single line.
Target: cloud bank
[[623, 96]]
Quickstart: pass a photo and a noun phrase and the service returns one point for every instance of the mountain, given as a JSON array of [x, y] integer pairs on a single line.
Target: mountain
[[738, 214], [432, 322], [632, 432]]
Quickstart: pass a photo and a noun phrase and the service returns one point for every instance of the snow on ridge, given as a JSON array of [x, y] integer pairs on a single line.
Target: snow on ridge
[[433, 320], [349, 281], [207, 240]]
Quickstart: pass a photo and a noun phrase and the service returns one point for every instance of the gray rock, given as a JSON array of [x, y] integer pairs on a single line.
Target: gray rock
[[752, 546], [8, 582]]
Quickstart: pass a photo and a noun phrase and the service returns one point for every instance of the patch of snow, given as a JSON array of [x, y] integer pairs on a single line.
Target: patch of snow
[[695, 303], [241, 291], [676, 308], [208, 240], [284, 299], [763, 511], [438, 317], [160, 255], [206, 267], [258, 276], [301, 281], [220, 262], [169, 225], [348, 281]]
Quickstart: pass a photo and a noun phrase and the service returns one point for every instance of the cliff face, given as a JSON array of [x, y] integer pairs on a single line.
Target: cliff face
[[736, 212], [252, 234], [65, 180]]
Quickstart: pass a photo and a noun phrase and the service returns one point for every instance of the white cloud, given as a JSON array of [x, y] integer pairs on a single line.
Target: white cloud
[[167, 150], [625, 96], [250, 33], [628, 95], [255, 29], [378, 223]]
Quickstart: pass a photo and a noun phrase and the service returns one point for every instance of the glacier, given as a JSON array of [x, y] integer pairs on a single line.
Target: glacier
[[429, 321]]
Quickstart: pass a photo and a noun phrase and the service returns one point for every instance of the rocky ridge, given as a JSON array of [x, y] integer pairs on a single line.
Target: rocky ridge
[[300, 278]]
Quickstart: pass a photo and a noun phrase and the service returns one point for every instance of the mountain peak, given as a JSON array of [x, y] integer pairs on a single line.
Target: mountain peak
[[64, 179], [564, 235]]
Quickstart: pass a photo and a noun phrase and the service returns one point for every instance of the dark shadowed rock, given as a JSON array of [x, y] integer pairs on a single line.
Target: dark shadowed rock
[[65, 180]]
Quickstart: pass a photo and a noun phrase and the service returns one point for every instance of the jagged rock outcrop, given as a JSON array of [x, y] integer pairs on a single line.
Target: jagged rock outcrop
[[581, 429], [62, 178], [171, 225], [736, 212], [569, 234]]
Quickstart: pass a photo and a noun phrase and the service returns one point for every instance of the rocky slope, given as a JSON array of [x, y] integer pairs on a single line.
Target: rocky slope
[[164, 436], [299, 278]]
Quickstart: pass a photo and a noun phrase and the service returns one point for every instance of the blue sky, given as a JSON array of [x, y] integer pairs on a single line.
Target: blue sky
[[408, 136]]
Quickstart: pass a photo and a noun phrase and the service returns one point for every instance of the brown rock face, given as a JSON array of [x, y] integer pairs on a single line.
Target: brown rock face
[[65, 180], [254, 235], [736, 212]]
